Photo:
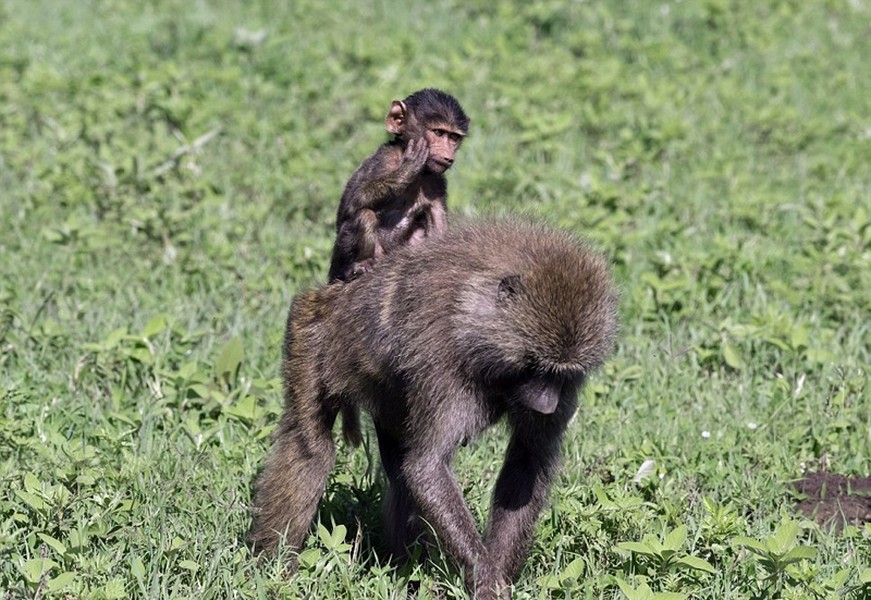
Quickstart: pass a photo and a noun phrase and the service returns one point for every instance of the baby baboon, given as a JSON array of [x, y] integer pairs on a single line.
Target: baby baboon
[[438, 342], [399, 194]]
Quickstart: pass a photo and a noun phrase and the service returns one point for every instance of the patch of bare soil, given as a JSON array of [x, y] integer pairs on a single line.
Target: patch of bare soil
[[835, 500]]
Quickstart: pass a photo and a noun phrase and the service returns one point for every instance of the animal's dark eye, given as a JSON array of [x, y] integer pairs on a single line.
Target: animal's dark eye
[[528, 372], [509, 287], [439, 132]]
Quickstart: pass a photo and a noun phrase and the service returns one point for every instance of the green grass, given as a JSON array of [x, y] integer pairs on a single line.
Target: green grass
[[717, 150]]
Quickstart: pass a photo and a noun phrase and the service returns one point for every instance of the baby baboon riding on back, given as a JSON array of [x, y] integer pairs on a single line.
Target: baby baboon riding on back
[[398, 195]]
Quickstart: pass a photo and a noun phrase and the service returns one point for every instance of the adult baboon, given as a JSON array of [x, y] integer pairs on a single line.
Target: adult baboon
[[438, 342]]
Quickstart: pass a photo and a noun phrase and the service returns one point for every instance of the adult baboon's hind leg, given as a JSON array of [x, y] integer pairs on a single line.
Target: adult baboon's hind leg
[[401, 521], [289, 488]]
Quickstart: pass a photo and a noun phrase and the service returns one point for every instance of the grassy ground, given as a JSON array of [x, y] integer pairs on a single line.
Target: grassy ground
[[169, 173]]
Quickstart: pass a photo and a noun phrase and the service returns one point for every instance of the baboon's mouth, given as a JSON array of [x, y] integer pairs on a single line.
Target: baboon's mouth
[[439, 166]]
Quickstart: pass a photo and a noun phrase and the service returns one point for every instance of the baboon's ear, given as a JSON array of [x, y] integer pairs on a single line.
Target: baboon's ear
[[509, 287], [396, 117]]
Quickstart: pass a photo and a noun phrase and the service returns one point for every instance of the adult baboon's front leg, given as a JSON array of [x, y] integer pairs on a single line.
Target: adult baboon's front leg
[[521, 490], [438, 495], [520, 493]]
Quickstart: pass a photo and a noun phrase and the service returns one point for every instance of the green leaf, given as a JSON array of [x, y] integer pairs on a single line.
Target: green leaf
[[114, 590], [665, 555], [61, 581], [324, 535], [820, 355], [751, 544], [338, 536], [603, 499], [85, 480], [694, 562], [55, 545], [122, 417], [175, 544], [637, 547], [34, 568], [733, 357], [187, 370], [865, 576], [155, 326], [245, 409], [32, 500], [642, 593], [838, 580], [308, 558], [189, 565], [266, 431], [31, 483], [783, 538], [334, 540], [78, 539], [549, 582], [200, 390], [780, 344], [799, 337], [652, 542], [631, 373], [110, 341], [142, 355], [53, 235], [229, 359], [797, 554], [137, 568], [675, 539], [573, 570]]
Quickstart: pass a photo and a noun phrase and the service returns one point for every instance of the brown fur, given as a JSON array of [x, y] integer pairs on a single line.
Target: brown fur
[[398, 195], [492, 320]]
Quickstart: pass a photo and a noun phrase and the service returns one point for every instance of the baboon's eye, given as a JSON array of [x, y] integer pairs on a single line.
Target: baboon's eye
[[508, 287]]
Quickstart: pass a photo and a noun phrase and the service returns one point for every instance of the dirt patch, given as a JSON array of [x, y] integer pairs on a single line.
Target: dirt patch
[[835, 500]]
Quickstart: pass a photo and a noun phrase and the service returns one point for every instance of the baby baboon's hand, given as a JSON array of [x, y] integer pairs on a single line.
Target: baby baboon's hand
[[414, 158]]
